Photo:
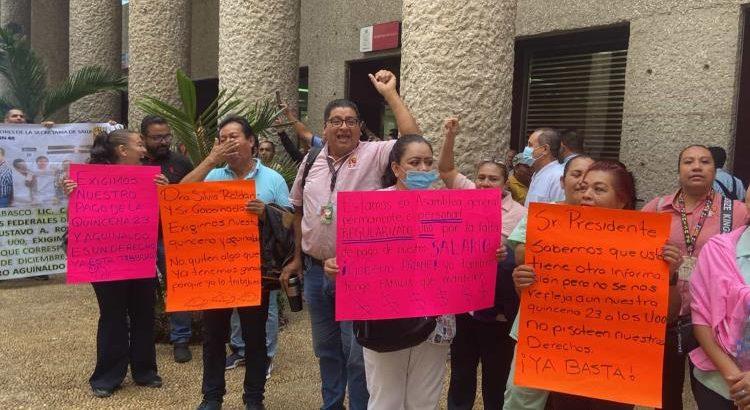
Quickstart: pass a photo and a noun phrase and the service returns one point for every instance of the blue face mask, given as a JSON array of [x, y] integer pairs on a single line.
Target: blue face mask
[[420, 179], [528, 156]]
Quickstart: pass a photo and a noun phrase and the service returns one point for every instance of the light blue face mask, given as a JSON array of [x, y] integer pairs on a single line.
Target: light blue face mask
[[528, 155], [420, 179]]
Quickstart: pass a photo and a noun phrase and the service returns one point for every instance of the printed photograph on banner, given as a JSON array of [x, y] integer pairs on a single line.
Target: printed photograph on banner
[[34, 160]]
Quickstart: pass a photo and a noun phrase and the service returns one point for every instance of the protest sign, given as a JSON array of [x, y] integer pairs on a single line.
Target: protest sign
[[212, 245], [593, 323], [113, 222], [33, 208], [416, 253]]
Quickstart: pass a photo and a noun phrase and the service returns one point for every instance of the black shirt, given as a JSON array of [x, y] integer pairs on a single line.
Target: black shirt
[[175, 166]]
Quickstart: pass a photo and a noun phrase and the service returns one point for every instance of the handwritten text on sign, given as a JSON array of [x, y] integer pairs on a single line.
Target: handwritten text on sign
[[593, 323], [212, 245], [112, 224], [416, 253]]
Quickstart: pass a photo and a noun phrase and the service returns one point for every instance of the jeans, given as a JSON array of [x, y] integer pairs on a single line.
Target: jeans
[[272, 328], [339, 355], [216, 332], [179, 322], [477, 341], [125, 333]]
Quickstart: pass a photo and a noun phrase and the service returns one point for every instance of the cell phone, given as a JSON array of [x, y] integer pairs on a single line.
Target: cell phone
[[278, 99]]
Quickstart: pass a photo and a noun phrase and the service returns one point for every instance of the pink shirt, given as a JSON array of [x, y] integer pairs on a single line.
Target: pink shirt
[[720, 296], [513, 212], [361, 171], [711, 227]]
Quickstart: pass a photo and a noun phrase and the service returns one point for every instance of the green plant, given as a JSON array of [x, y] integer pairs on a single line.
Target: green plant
[[199, 131], [26, 76], [287, 167]]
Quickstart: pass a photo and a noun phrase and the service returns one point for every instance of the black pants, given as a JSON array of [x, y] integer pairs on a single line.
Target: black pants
[[216, 329], [673, 376], [125, 334], [706, 398], [477, 341], [562, 401]]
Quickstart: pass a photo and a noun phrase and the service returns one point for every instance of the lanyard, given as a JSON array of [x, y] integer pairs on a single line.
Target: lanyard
[[691, 239], [334, 170]]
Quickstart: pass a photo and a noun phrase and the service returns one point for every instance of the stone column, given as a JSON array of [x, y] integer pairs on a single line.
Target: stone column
[[457, 60], [159, 45], [259, 48], [17, 13], [96, 39], [50, 42]]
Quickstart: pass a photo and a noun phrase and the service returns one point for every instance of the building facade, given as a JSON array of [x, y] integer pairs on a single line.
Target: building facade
[[640, 79]]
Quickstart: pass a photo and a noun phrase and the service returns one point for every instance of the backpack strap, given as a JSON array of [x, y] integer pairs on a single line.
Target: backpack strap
[[724, 188], [312, 155], [727, 211]]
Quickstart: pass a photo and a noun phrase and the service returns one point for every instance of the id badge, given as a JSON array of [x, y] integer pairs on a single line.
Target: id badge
[[326, 214], [686, 269]]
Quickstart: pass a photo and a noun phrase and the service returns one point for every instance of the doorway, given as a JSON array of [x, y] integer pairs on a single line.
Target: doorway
[[374, 111]]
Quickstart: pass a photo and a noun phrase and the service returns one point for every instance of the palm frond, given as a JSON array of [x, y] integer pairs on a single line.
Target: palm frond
[[196, 131], [84, 82], [24, 71], [187, 94], [287, 167], [262, 115]]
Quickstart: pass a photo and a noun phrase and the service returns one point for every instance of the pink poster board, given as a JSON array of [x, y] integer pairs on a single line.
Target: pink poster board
[[113, 216], [416, 253]]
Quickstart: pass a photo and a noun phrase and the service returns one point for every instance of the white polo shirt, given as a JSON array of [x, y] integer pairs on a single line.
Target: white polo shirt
[[545, 184]]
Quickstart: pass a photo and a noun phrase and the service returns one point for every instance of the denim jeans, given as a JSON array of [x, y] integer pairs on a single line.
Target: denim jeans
[[179, 322], [339, 355], [272, 328], [215, 336]]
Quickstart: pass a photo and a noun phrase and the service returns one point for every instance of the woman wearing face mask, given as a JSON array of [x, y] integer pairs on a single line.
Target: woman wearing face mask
[[125, 333], [517, 397], [482, 335], [606, 184], [698, 213], [409, 376]]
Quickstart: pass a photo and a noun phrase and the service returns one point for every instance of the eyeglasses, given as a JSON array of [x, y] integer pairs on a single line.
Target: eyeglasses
[[338, 122], [160, 138]]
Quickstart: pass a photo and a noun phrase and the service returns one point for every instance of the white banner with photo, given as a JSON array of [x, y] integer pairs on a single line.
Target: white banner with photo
[[34, 160]]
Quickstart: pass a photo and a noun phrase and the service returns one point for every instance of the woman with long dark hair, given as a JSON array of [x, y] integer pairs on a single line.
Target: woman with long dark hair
[[125, 332]]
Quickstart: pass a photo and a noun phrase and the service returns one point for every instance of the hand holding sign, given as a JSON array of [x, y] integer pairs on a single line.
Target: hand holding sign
[[113, 219], [415, 253], [594, 303], [212, 245]]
